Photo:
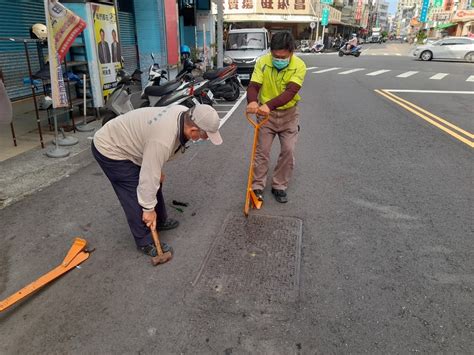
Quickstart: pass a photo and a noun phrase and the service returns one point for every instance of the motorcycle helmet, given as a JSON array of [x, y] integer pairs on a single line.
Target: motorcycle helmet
[[184, 49], [185, 52], [354, 35], [39, 31], [45, 103]]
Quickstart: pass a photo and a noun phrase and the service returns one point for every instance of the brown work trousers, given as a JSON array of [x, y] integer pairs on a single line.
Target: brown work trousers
[[284, 124]]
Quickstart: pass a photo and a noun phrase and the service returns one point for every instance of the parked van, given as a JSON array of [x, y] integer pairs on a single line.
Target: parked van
[[243, 47]]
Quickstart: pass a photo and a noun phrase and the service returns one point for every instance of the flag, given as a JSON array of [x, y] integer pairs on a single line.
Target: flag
[[63, 28]]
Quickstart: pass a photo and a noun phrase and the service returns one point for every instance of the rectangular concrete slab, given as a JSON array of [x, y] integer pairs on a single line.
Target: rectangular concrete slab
[[254, 264]]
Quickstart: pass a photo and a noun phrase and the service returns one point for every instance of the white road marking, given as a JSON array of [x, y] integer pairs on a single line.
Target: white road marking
[[471, 78], [407, 74], [237, 104], [432, 91], [385, 54], [325, 70], [398, 54], [378, 72], [311, 68], [350, 71], [439, 76]]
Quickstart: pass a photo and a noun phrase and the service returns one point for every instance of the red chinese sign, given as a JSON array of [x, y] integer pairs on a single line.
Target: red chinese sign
[[233, 5], [283, 4], [300, 5], [247, 4], [267, 4]]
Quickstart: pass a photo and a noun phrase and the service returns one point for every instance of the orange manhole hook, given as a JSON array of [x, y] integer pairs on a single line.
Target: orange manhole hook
[[76, 255], [251, 200]]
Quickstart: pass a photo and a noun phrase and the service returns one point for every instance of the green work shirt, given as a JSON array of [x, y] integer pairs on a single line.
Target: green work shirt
[[274, 82]]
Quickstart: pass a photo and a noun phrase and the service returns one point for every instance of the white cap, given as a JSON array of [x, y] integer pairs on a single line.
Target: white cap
[[207, 119]]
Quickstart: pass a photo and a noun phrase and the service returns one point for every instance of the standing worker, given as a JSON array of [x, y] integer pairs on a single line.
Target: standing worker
[[273, 90], [132, 149]]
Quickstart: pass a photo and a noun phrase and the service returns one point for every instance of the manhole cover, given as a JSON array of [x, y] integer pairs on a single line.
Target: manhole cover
[[255, 262]]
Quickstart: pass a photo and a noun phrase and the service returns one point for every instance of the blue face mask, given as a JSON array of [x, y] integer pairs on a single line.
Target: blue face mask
[[280, 63]]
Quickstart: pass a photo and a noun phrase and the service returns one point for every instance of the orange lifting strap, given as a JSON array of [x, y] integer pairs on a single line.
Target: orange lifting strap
[[76, 255]]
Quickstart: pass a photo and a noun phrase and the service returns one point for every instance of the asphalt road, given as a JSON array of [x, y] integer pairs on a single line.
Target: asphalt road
[[385, 198]]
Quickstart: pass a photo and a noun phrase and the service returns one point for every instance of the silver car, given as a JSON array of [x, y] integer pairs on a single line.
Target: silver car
[[454, 48]]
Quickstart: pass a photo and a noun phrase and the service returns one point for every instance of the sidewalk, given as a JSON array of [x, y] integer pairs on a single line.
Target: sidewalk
[[28, 169]]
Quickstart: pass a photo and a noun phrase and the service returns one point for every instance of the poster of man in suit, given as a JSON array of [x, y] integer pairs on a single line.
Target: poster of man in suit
[[108, 45], [116, 53], [103, 48]]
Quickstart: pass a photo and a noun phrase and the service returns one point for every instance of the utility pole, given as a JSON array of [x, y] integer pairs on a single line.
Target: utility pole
[[220, 33]]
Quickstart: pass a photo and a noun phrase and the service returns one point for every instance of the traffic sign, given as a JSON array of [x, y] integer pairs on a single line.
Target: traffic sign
[[325, 17], [327, 2], [312, 25]]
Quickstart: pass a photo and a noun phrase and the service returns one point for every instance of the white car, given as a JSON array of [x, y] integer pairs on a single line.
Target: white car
[[454, 48]]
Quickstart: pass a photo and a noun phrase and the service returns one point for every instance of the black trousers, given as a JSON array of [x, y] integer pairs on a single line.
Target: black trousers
[[124, 176]]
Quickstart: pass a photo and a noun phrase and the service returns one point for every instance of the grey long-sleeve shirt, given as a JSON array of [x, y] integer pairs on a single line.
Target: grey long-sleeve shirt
[[148, 137]]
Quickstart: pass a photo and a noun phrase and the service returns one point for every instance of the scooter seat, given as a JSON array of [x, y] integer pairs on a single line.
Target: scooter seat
[[162, 89], [213, 74]]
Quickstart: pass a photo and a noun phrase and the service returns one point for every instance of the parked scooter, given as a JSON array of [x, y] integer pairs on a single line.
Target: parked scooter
[[305, 47], [222, 83], [123, 100], [317, 47], [355, 51]]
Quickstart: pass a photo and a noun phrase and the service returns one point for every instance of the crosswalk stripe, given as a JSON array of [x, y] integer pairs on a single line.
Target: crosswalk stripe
[[325, 70], [350, 71], [378, 72], [438, 76], [407, 74], [471, 78]]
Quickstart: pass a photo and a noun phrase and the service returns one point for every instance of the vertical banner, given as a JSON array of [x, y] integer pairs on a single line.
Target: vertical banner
[[63, 28], [172, 33], [358, 14], [107, 45], [424, 10]]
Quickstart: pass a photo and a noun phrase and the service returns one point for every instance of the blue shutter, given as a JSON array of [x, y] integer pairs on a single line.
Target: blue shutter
[[16, 19], [128, 41]]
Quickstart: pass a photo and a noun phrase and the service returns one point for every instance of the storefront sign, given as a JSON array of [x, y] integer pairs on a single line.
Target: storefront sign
[[107, 45], [325, 17], [63, 28], [424, 10], [327, 2], [463, 15], [438, 3]]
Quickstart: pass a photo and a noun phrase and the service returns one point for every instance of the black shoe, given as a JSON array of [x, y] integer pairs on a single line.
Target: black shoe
[[280, 195], [167, 225], [150, 249], [259, 194]]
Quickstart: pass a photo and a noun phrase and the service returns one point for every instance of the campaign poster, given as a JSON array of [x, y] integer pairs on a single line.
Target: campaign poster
[[107, 45]]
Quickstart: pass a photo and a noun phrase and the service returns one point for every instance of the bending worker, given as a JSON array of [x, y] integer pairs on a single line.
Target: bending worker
[[273, 90], [132, 149]]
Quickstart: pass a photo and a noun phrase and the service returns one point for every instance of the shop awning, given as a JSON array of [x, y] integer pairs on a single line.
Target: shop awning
[[445, 25]]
